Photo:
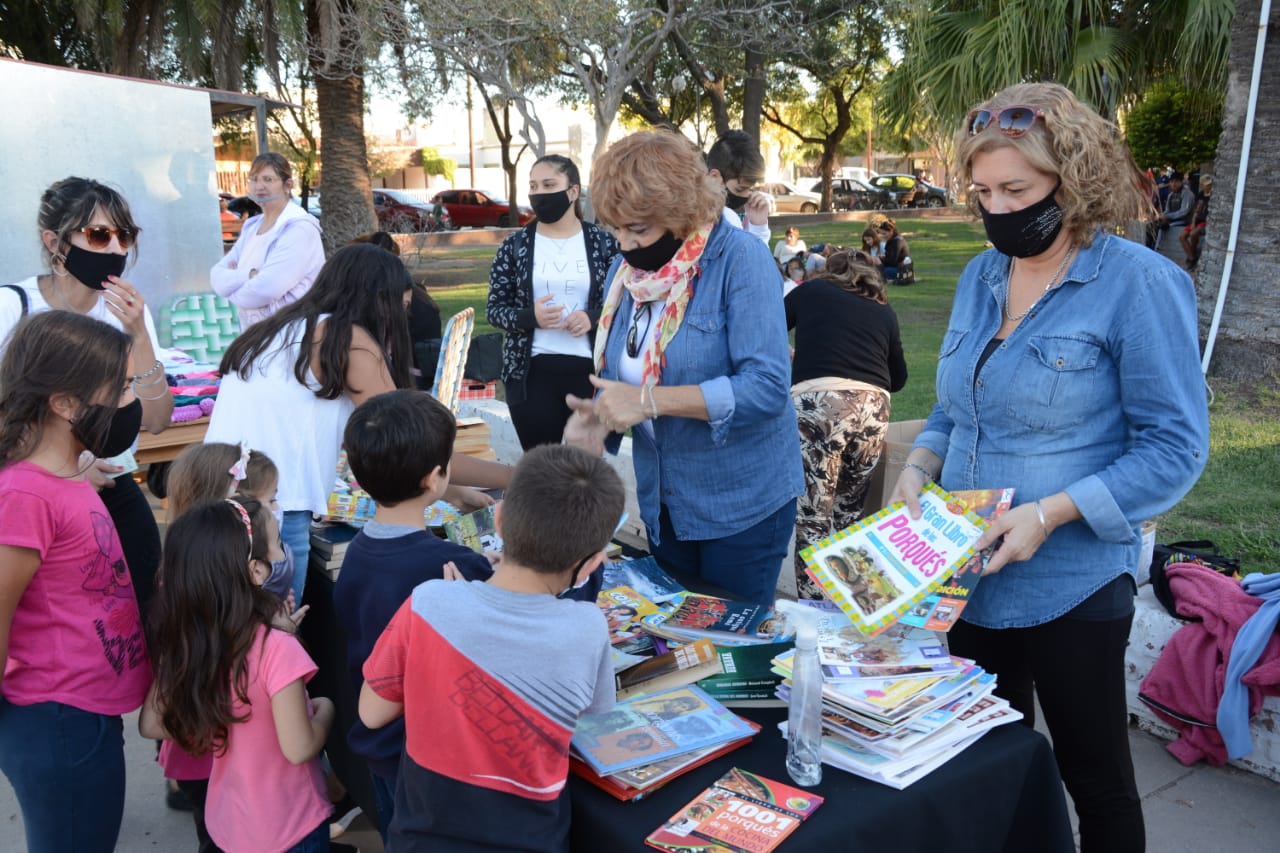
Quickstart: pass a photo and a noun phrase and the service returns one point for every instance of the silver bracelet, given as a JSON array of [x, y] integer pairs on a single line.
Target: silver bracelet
[[653, 401], [1040, 515], [923, 470], [154, 368]]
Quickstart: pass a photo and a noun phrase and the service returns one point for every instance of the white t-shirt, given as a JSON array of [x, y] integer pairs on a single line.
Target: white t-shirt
[[784, 253], [560, 268], [11, 313]]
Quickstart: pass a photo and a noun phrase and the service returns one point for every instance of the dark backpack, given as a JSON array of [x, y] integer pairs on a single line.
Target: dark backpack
[[1202, 552], [22, 298]]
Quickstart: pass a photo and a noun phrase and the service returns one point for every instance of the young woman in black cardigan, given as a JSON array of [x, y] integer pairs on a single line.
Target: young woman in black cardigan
[[546, 287]]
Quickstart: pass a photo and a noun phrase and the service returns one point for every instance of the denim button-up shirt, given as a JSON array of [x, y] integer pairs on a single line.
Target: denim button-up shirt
[[1097, 392], [720, 477]]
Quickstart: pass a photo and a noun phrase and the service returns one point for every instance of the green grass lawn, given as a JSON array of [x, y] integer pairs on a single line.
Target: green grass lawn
[[1236, 502]]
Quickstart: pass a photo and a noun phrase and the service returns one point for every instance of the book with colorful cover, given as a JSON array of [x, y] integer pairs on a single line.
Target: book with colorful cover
[[684, 665], [476, 530], [844, 652], [745, 666], [740, 812], [623, 609], [709, 616], [879, 568], [941, 608], [643, 575], [652, 727], [638, 782]]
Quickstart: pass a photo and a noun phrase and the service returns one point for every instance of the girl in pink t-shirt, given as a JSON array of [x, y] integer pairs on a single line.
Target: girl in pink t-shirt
[[231, 680], [203, 473], [75, 658]]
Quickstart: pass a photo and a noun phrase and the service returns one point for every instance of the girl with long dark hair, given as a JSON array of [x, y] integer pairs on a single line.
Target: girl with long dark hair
[[71, 637], [291, 381], [232, 682]]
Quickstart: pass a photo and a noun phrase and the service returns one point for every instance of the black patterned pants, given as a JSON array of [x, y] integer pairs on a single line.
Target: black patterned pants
[[841, 436]]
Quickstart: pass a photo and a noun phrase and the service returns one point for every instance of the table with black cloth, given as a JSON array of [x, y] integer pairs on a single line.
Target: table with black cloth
[[1003, 793]]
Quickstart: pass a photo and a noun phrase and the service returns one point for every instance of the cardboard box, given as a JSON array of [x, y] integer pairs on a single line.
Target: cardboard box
[[897, 444]]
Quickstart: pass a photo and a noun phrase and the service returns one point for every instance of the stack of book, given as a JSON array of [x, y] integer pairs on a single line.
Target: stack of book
[[724, 622], [746, 678], [329, 543], [649, 740], [896, 704]]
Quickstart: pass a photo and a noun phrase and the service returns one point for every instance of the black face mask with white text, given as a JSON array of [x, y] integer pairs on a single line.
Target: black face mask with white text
[[1024, 233], [654, 256]]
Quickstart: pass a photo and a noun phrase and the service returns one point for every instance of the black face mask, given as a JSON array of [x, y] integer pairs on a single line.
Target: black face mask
[[735, 202], [1024, 233], [107, 431], [550, 207], [93, 268], [654, 256]]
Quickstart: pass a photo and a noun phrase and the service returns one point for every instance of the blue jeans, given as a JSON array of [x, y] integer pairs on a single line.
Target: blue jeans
[[296, 533], [316, 841], [746, 563], [66, 767]]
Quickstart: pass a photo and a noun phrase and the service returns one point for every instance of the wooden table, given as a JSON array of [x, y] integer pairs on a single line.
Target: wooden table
[[473, 440], [166, 446]]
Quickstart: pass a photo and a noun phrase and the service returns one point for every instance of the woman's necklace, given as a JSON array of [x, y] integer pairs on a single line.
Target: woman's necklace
[[560, 242], [1053, 279]]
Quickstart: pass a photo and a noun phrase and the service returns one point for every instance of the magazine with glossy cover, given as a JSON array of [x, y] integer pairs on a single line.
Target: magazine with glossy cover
[[645, 576], [652, 727], [941, 608], [741, 812], [880, 567], [475, 530]]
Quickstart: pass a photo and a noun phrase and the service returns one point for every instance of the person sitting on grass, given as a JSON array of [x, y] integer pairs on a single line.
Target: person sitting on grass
[[491, 677], [399, 445]]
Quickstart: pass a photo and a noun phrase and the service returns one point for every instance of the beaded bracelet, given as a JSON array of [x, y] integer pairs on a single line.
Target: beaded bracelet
[[154, 368], [923, 470]]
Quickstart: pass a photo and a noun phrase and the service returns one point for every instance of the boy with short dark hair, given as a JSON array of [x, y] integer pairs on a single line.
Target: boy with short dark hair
[[735, 160], [491, 677], [399, 444]]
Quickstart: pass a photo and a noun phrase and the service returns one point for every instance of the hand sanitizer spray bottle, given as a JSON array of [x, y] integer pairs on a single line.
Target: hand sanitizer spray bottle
[[804, 720]]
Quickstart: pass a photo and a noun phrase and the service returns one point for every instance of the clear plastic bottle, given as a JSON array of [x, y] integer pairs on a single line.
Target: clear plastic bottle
[[804, 719]]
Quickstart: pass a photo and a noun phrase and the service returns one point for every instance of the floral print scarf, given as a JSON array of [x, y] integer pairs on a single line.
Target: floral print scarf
[[673, 282]]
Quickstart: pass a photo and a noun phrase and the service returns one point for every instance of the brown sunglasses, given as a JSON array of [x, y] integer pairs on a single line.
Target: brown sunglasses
[[99, 236]]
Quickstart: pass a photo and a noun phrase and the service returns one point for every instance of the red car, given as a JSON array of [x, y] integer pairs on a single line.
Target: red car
[[401, 213], [477, 209]]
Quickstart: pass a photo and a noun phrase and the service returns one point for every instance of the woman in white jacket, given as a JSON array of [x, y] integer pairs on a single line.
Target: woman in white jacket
[[279, 251]]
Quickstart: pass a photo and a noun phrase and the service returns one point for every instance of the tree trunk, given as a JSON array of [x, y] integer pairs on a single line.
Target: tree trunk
[[347, 210], [1248, 342], [753, 94]]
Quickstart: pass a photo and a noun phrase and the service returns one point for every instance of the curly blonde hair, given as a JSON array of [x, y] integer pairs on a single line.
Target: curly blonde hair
[[1100, 185], [657, 177]]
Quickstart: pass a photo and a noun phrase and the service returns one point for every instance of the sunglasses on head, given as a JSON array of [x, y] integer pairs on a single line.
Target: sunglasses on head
[[99, 236], [1011, 121]]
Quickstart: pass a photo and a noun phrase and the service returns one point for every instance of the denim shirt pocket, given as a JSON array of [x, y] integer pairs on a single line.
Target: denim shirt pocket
[[1058, 375], [703, 344], [952, 384]]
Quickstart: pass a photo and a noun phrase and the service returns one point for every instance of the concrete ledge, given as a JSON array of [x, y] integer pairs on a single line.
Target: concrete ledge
[[1152, 628]]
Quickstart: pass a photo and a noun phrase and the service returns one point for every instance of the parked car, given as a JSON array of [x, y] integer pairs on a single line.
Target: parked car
[[788, 198], [400, 213], [480, 208], [908, 191], [849, 194]]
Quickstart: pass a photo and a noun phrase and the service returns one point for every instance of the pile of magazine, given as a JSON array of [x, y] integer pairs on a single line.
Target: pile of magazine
[[645, 742], [896, 704]]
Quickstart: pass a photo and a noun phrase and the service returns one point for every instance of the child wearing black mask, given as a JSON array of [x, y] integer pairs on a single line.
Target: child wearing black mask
[[546, 287]]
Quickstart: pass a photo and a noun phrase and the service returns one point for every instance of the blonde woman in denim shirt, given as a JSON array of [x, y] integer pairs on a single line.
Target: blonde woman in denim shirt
[[1069, 371], [692, 356]]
